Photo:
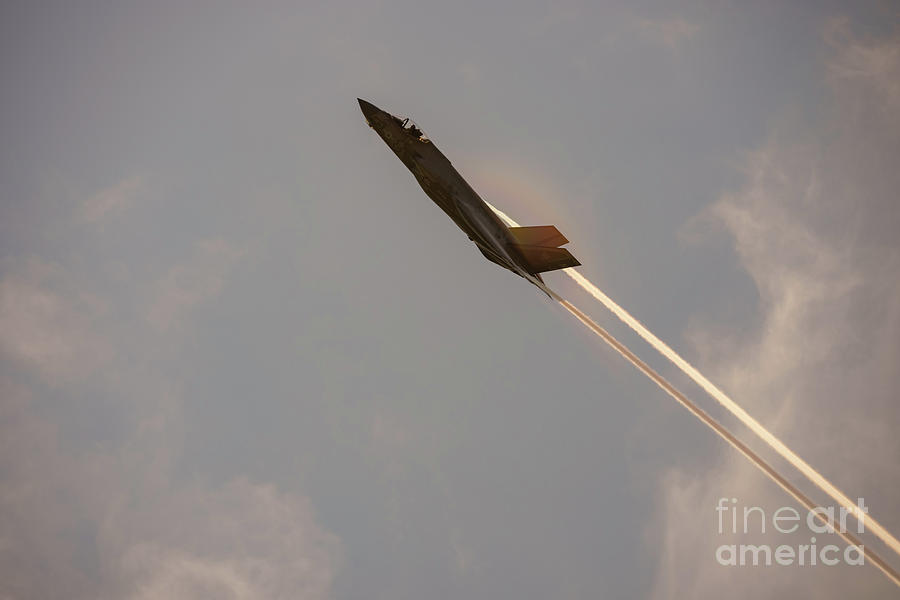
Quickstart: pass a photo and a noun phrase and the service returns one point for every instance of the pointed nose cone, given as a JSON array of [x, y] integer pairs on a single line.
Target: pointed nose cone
[[368, 109]]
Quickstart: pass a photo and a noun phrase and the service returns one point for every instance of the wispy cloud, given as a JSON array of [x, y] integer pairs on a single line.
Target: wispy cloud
[[864, 68], [109, 519], [192, 282], [113, 199], [241, 540], [814, 227], [47, 323], [147, 537]]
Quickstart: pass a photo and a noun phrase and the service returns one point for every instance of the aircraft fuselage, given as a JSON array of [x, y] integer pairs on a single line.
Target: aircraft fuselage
[[447, 188]]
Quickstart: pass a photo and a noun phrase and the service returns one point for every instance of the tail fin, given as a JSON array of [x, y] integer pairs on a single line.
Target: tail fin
[[546, 258], [541, 235], [540, 247]]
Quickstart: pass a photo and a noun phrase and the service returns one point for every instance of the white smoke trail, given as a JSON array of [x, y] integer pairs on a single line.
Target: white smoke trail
[[729, 437], [723, 399]]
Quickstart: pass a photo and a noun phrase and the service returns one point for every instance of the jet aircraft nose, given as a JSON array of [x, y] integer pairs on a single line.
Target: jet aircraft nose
[[368, 109]]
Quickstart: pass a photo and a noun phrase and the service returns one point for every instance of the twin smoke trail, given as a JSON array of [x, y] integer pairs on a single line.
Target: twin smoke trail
[[731, 406], [729, 437]]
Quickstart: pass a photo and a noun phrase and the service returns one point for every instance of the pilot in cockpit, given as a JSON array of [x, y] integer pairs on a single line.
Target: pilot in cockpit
[[414, 131], [409, 127]]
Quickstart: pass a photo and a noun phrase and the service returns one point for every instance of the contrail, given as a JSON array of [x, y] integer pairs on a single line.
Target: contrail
[[723, 399], [729, 437]]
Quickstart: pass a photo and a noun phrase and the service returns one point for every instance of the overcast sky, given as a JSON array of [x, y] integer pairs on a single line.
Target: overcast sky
[[242, 355]]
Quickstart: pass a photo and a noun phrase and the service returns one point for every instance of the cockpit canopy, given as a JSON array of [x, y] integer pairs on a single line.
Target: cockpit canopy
[[410, 128]]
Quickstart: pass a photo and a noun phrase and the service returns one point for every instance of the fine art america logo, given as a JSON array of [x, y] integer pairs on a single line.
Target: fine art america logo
[[787, 520]]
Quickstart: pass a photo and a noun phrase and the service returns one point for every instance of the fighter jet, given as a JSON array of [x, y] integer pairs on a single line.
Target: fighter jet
[[526, 251]]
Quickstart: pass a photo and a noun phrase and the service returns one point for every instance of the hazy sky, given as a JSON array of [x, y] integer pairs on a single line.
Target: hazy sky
[[243, 356]]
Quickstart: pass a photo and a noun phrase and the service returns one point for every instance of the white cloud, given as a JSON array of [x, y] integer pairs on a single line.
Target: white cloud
[[47, 324], [815, 227], [104, 525], [242, 540], [865, 70], [191, 283], [110, 520], [112, 199], [113, 523]]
